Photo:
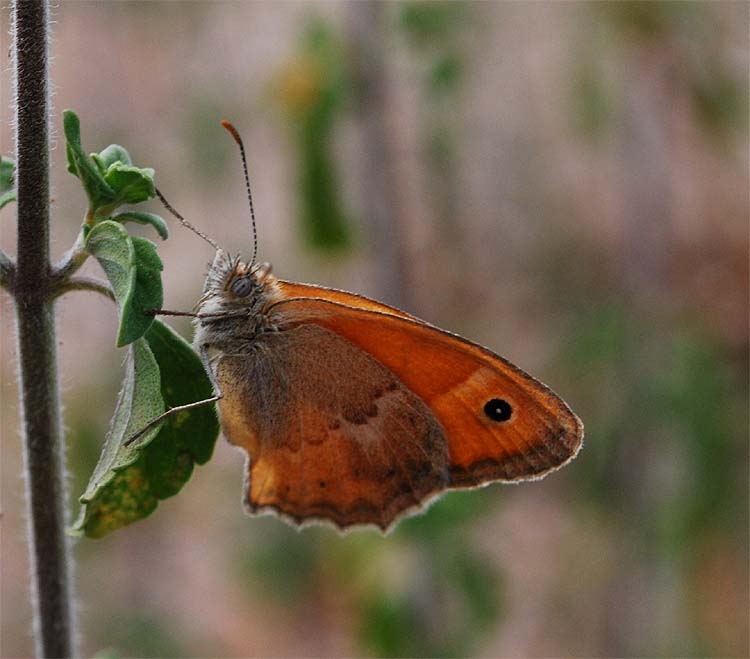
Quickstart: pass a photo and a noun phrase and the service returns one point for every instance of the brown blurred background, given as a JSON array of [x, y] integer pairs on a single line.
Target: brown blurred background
[[566, 183]]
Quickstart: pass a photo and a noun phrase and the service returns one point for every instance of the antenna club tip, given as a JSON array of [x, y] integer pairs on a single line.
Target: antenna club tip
[[232, 131]]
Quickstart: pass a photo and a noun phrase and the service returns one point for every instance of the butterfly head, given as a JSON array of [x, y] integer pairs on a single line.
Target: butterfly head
[[235, 295], [234, 283]]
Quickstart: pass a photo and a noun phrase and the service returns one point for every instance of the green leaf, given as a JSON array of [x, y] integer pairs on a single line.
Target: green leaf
[[155, 221], [132, 267], [128, 482], [130, 184], [7, 173], [184, 380], [7, 180], [116, 493], [109, 177], [148, 293], [111, 245], [431, 23], [71, 160], [112, 154], [97, 189], [6, 198]]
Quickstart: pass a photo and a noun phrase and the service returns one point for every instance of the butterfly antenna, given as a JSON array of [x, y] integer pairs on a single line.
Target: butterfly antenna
[[185, 223], [233, 132]]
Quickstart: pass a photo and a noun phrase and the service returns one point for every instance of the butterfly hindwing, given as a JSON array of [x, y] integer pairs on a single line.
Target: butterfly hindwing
[[330, 433]]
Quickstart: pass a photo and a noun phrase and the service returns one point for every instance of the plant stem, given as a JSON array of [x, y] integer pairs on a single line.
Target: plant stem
[[73, 259], [85, 284], [39, 388]]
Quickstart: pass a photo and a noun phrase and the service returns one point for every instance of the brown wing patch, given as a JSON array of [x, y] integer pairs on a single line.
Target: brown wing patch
[[457, 379], [329, 431]]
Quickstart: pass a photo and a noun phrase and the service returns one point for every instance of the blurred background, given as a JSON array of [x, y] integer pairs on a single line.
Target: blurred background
[[566, 183]]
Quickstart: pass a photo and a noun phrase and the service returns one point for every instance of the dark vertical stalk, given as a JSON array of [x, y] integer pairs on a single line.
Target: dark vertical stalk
[[40, 403]]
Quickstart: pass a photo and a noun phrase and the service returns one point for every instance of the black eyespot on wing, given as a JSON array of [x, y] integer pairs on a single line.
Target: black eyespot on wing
[[498, 409]]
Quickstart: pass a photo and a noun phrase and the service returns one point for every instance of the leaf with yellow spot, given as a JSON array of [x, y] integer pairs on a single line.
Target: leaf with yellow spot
[[128, 482]]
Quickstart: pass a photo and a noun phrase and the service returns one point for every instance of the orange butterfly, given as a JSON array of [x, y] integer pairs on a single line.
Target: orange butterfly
[[357, 413]]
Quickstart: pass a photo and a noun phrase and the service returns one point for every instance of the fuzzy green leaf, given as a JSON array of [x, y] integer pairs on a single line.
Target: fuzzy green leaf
[[109, 156], [115, 493], [129, 481], [133, 268], [148, 294], [97, 189], [109, 177], [183, 380], [155, 221], [7, 180], [111, 245], [71, 160], [131, 184]]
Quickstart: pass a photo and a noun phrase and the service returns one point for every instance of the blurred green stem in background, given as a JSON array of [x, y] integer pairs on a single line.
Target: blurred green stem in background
[[434, 31], [311, 90]]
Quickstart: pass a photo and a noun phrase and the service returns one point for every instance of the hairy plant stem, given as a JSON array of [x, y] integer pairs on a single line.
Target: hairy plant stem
[[73, 259], [49, 554], [85, 284]]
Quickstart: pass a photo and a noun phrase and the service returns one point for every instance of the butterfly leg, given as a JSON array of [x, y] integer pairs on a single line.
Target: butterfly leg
[[167, 312], [218, 395], [191, 314]]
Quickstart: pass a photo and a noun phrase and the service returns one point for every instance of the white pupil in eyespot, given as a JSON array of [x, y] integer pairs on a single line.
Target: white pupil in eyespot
[[241, 287]]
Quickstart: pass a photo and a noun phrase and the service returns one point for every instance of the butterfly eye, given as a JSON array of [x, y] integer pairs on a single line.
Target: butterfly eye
[[242, 286], [498, 409]]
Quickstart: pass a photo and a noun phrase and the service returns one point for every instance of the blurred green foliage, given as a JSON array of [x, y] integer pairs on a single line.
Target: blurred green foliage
[[719, 94], [702, 395], [439, 604], [592, 92], [433, 30], [721, 100], [145, 631], [435, 33], [666, 424], [681, 386], [450, 601], [430, 23], [312, 90], [647, 19]]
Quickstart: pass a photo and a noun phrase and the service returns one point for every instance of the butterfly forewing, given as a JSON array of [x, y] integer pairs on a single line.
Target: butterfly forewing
[[293, 290], [463, 384]]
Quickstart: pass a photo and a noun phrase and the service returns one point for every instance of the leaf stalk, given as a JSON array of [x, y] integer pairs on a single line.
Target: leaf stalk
[[85, 284], [72, 260]]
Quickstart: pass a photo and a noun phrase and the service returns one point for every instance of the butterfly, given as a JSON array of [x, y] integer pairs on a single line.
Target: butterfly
[[356, 413]]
